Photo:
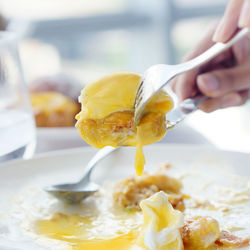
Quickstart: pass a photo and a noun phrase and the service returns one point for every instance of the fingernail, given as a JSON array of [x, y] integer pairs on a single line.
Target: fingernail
[[209, 82], [244, 20], [218, 34], [231, 100]]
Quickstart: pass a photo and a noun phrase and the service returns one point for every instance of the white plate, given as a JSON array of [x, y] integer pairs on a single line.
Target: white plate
[[50, 139], [68, 165]]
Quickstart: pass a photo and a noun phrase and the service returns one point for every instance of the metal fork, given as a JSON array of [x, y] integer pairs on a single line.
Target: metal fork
[[185, 108], [158, 76]]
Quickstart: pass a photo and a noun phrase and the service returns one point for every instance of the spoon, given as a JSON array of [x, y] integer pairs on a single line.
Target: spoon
[[76, 192]]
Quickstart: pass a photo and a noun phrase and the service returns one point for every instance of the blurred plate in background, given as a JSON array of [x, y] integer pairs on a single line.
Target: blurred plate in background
[[49, 139]]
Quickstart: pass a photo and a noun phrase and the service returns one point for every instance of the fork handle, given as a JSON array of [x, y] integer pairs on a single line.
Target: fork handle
[[190, 105], [213, 51]]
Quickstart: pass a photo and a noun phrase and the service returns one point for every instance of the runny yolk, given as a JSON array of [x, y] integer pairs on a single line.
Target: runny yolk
[[123, 242], [75, 230], [139, 156]]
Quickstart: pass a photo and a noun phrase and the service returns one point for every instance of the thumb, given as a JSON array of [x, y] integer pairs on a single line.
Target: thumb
[[220, 82]]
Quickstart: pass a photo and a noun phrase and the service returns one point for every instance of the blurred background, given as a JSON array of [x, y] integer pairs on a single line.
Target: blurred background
[[89, 39]]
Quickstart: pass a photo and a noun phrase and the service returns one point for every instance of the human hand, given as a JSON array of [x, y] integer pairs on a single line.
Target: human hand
[[237, 15], [225, 79]]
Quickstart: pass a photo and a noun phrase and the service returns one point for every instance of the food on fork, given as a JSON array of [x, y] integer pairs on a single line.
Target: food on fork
[[107, 115]]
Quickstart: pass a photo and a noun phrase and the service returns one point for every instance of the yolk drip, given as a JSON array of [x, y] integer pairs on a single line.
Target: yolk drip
[[139, 156], [107, 115]]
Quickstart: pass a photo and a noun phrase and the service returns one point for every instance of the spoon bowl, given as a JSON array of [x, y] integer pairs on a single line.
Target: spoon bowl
[[76, 192]]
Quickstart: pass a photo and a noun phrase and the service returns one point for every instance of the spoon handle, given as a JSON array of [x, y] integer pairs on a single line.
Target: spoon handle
[[101, 154]]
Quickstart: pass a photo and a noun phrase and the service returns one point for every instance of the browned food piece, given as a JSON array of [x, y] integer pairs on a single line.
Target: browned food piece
[[200, 233], [204, 233], [129, 192], [111, 129], [52, 109], [113, 125], [229, 240]]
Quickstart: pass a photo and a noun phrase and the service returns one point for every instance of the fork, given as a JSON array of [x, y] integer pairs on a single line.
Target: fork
[[158, 76], [185, 108]]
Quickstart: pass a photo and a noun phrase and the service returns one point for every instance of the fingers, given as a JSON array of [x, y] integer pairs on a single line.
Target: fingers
[[184, 85], [236, 15], [229, 100], [245, 15], [241, 50], [217, 83], [229, 22]]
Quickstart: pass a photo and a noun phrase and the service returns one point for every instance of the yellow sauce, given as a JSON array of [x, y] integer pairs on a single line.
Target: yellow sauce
[[81, 233], [123, 242], [75, 230], [107, 115]]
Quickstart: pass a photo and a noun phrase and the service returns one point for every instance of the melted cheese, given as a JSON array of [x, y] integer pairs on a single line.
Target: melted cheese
[[107, 115]]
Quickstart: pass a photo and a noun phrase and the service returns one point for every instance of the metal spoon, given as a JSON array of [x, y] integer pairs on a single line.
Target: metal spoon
[[76, 192]]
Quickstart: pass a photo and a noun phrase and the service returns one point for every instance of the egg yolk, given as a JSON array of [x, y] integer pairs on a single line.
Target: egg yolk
[[74, 229], [159, 218], [107, 115]]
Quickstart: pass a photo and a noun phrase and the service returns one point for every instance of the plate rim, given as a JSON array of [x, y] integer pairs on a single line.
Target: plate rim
[[76, 150]]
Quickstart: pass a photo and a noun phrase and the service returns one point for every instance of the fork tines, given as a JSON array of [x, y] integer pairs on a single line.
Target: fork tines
[[138, 97]]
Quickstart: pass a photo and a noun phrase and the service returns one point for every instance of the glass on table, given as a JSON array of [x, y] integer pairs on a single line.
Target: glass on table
[[17, 127]]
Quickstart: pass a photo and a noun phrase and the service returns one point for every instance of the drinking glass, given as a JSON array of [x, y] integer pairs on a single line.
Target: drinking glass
[[17, 127]]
